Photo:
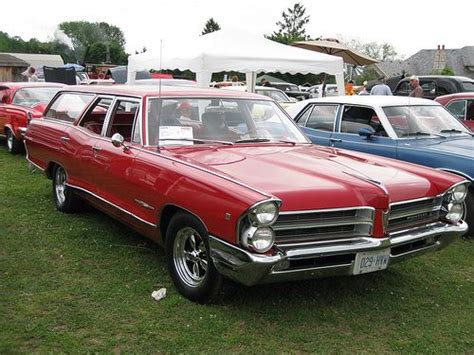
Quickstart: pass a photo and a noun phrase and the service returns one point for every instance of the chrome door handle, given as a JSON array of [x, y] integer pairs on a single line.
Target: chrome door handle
[[335, 140], [96, 149], [65, 139]]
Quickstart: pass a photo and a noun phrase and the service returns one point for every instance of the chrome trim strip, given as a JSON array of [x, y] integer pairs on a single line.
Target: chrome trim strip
[[110, 203], [417, 199], [318, 224], [412, 212], [456, 172], [328, 210]]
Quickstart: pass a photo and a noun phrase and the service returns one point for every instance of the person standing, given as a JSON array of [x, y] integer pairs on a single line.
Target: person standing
[[349, 88], [381, 89], [364, 89], [416, 89], [31, 74]]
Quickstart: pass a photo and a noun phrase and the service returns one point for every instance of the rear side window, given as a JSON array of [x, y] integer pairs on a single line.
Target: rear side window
[[322, 117], [68, 107], [457, 108], [94, 119]]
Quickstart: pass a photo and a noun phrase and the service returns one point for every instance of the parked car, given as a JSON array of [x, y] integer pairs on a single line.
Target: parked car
[[415, 130], [236, 190], [291, 90], [19, 103], [461, 105], [436, 85], [317, 90], [276, 94]]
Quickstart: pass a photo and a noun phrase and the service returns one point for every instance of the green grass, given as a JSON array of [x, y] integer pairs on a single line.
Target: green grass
[[83, 282]]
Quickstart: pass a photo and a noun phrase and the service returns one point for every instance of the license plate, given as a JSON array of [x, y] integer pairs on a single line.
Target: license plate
[[371, 261]]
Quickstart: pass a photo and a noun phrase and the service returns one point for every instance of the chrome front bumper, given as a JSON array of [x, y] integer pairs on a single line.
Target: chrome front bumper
[[327, 258]]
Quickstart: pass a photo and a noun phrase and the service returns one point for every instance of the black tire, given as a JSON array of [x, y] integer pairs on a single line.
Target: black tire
[[64, 198], [14, 146], [469, 214], [193, 274]]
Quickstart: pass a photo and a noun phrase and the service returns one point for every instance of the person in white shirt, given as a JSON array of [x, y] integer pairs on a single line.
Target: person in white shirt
[[381, 89]]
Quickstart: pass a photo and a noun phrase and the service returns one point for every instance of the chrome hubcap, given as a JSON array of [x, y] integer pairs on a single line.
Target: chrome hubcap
[[60, 185], [9, 140], [190, 256]]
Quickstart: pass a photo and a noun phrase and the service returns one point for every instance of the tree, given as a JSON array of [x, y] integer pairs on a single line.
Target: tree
[[93, 37], [292, 26], [379, 51], [210, 26]]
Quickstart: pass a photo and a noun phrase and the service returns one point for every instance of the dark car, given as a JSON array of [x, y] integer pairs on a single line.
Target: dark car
[[436, 85], [291, 90]]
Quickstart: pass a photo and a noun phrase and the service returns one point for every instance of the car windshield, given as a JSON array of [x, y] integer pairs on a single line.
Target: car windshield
[[32, 96], [188, 121], [278, 96], [412, 121]]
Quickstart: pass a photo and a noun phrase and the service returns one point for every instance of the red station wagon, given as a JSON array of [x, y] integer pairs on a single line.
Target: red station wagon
[[231, 187], [461, 105], [20, 102]]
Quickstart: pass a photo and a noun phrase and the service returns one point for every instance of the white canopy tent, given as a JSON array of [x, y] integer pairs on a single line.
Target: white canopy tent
[[231, 50]]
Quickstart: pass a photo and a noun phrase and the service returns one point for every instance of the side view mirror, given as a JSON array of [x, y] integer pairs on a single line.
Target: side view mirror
[[366, 132], [117, 141]]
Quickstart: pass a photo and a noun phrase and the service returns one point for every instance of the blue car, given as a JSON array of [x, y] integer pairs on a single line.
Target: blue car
[[414, 130]]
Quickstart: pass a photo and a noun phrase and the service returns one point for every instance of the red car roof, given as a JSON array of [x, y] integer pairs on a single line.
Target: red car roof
[[460, 95], [154, 90]]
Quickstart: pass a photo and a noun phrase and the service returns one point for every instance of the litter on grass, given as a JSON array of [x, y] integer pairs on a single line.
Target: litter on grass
[[159, 294]]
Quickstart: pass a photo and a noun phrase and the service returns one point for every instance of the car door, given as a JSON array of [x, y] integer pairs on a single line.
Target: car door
[[83, 137], [49, 139], [352, 119], [113, 165], [318, 122], [4, 100]]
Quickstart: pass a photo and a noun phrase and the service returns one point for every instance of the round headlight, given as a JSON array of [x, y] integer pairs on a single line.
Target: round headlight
[[459, 193], [264, 214], [455, 212], [258, 239]]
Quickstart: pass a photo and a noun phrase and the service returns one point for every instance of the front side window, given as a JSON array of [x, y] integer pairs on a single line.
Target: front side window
[[32, 96], [403, 88], [355, 118], [419, 121], [470, 110], [322, 117], [457, 108], [218, 120], [68, 106], [468, 85], [123, 118]]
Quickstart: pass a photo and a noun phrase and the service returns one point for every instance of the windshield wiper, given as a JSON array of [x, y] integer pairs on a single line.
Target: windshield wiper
[[263, 140], [422, 134], [452, 130], [200, 141]]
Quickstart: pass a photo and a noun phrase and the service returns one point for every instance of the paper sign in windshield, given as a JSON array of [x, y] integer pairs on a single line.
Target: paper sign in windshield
[[174, 134]]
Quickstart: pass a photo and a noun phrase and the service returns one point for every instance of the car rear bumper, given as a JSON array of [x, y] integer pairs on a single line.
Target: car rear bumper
[[328, 258]]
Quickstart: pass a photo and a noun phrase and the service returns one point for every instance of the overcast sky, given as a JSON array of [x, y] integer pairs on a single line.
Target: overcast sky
[[409, 25]]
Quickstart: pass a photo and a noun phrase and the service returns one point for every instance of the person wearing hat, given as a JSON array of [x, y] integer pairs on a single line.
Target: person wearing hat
[[416, 89], [364, 89]]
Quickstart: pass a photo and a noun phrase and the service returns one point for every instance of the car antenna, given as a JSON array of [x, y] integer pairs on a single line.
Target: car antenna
[[160, 102]]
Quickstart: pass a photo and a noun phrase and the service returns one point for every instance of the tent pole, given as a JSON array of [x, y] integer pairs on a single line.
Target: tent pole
[[340, 84], [251, 78]]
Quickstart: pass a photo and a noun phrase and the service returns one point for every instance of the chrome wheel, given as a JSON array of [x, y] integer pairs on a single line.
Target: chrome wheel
[[9, 140], [60, 185], [190, 256]]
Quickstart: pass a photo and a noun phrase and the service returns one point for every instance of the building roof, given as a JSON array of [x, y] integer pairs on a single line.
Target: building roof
[[460, 60], [7, 60], [38, 60]]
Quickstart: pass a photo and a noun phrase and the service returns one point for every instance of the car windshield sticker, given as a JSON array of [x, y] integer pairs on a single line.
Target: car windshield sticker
[[176, 132]]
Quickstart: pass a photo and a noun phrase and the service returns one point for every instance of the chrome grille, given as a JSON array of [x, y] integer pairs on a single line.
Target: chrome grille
[[293, 228], [404, 215]]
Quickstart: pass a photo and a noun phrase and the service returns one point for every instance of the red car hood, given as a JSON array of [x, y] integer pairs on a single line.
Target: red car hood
[[312, 177]]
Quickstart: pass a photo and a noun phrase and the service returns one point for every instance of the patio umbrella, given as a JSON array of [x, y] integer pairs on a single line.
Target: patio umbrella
[[348, 55]]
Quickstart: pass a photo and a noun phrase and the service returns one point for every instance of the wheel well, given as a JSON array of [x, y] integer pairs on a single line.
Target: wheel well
[[167, 213], [49, 170]]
